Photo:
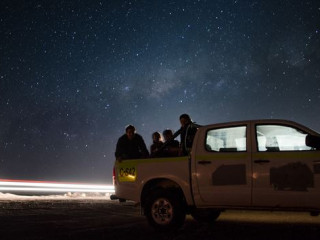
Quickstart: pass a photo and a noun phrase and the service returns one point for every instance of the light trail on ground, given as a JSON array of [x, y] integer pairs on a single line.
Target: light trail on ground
[[9, 185]]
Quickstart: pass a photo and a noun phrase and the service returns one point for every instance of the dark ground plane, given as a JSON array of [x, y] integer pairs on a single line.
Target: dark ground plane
[[105, 219]]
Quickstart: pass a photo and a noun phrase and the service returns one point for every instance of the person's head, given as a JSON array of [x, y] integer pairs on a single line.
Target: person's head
[[156, 137], [167, 134], [184, 120], [130, 131]]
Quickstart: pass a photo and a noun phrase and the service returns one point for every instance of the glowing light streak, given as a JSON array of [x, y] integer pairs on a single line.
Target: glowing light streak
[[35, 189], [40, 186]]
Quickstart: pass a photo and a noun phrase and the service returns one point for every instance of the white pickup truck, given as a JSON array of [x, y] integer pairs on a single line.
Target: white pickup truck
[[256, 165]]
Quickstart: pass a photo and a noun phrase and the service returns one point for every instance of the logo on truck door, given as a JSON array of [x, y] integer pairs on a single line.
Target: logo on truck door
[[127, 173]]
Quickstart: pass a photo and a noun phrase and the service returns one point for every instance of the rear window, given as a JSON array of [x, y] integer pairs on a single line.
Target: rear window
[[230, 139]]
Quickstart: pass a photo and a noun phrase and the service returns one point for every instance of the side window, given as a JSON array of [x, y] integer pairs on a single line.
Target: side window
[[231, 139], [273, 138]]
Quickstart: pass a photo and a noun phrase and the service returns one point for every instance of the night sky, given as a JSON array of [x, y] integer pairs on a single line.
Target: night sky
[[73, 74]]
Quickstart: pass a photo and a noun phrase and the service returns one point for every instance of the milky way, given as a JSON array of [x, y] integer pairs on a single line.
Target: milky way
[[73, 74]]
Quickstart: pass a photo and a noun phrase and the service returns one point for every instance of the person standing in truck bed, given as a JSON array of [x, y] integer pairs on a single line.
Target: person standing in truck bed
[[187, 132]]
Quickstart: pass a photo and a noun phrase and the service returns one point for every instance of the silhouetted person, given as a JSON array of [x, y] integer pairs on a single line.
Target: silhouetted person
[[131, 145], [171, 148], [187, 132], [156, 145]]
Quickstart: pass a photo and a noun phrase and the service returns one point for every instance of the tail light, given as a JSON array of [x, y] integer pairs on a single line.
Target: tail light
[[114, 176]]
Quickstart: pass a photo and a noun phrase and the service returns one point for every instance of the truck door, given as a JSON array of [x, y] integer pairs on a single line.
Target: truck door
[[223, 166], [286, 172]]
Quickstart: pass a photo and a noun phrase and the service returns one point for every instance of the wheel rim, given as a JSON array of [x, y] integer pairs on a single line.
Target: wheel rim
[[162, 211]]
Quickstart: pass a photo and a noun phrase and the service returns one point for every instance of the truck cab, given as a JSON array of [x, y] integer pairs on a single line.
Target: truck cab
[[256, 164]]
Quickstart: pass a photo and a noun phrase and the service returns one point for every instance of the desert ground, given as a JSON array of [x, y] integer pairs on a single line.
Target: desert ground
[[98, 217]]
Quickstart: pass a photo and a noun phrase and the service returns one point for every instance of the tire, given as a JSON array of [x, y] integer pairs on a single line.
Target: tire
[[205, 215], [165, 210]]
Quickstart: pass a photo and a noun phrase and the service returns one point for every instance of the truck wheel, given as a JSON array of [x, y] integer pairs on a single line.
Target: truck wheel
[[164, 210], [205, 215]]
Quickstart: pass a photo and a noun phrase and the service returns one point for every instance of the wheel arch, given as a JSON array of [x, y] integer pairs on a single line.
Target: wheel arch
[[161, 183]]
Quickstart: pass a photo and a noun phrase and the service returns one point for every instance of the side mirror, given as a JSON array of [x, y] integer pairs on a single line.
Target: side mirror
[[313, 141]]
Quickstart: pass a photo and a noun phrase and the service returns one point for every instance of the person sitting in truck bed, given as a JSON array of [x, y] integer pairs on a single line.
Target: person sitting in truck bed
[[171, 146], [131, 145], [156, 145]]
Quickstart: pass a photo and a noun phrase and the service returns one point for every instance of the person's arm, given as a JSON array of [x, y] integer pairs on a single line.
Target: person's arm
[[176, 134], [119, 150]]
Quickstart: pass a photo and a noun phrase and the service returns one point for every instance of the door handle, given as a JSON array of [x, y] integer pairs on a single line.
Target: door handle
[[316, 161], [261, 161], [204, 162]]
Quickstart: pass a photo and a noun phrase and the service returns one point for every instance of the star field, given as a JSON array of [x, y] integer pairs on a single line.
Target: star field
[[73, 74]]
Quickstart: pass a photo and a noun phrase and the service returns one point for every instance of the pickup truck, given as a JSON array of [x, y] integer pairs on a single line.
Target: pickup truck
[[251, 165]]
